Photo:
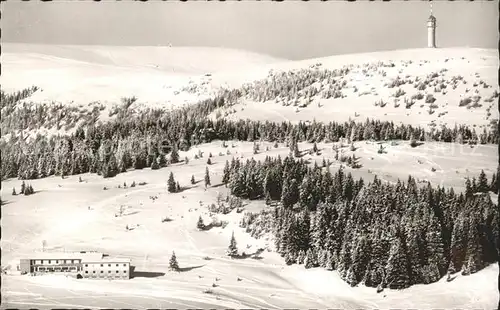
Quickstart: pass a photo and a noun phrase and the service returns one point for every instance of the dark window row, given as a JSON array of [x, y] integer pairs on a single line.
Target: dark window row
[[109, 271], [109, 265]]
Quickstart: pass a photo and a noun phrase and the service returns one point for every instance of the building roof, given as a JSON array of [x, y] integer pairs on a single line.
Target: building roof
[[107, 260], [89, 257]]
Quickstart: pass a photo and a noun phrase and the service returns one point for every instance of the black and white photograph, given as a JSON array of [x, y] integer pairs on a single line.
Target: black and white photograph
[[249, 154]]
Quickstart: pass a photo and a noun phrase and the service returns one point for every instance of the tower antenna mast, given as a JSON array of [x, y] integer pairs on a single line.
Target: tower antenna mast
[[431, 28]]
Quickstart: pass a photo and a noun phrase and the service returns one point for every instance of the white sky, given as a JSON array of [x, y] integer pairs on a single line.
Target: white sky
[[292, 30]]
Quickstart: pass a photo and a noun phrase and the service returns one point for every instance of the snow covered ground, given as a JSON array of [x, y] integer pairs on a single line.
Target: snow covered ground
[[58, 212], [363, 90], [169, 77], [257, 283], [83, 74]]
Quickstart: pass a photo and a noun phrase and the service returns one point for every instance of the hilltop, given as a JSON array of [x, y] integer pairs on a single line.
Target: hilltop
[[420, 87], [83, 74]]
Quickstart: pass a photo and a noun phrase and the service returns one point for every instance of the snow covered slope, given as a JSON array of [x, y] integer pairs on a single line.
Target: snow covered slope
[[239, 283], [166, 77], [82, 74]]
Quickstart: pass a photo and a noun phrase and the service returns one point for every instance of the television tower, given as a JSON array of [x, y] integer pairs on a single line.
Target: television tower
[[431, 29]]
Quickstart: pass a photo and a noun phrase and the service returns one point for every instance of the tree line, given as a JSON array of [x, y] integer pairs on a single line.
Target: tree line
[[143, 140]]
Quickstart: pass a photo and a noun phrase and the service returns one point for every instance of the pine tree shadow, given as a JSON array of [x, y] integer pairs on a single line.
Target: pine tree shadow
[[218, 185], [144, 274], [186, 269], [310, 151], [450, 278], [147, 274], [417, 144], [131, 213], [254, 255], [207, 227], [301, 154], [307, 161], [185, 188]]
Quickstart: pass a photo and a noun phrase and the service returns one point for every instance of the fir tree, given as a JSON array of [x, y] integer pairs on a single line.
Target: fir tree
[[268, 198], [14, 191], [28, 190], [315, 148], [289, 258], [290, 193], [110, 169], [301, 257], [482, 183], [174, 155], [474, 253], [413, 141], [161, 160], [359, 259], [494, 183], [474, 185], [396, 269], [304, 193], [435, 250], [23, 187], [207, 177], [468, 188], [200, 225], [322, 258], [329, 261], [296, 152], [171, 184], [232, 249], [458, 245], [256, 148], [155, 165], [226, 173], [173, 265], [193, 181], [310, 261]]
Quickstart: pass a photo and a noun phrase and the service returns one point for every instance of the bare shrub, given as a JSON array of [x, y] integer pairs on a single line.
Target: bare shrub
[[399, 93], [465, 101], [433, 106], [409, 103], [417, 96]]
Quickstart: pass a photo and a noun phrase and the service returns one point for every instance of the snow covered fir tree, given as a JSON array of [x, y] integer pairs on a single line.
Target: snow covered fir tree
[[173, 265], [372, 233], [232, 249]]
